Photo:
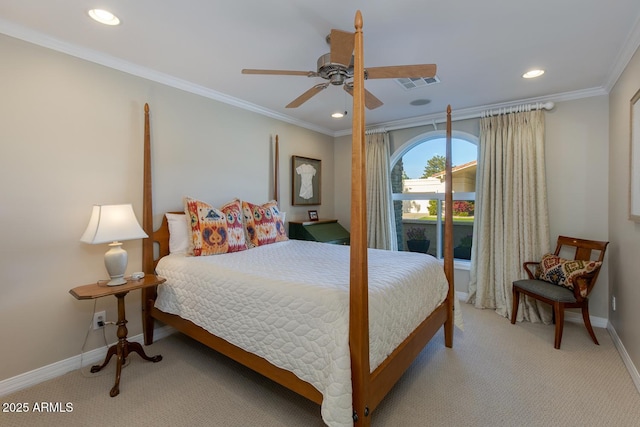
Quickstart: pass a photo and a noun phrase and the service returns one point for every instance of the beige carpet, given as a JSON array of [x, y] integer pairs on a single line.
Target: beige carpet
[[497, 374]]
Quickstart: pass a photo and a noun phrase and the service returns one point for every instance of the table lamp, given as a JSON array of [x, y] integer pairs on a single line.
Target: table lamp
[[112, 223]]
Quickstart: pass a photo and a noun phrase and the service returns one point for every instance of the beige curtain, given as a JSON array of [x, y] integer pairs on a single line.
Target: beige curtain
[[380, 216], [511, 224]]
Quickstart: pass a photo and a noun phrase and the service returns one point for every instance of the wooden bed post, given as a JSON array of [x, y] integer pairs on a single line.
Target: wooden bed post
[[148, 294], [276, 173], [359, 286], [448, 235], [368, 388], [147, 195]]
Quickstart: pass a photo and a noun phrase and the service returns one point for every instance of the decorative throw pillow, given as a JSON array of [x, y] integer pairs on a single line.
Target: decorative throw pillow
[[215, 231], [235, 227], [263, 224], [563, 272]]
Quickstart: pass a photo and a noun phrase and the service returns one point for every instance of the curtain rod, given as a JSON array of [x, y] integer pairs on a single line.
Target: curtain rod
[[375, 130], [464, 114], [518, 109]]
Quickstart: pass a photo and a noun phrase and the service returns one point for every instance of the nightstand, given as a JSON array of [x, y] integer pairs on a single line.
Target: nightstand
[[123, 347], [324, 230]]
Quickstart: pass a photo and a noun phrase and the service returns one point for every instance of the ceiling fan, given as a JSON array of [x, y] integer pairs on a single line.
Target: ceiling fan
[[337, 67]]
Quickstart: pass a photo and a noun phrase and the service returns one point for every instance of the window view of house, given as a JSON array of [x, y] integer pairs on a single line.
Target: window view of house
[[418, 179]]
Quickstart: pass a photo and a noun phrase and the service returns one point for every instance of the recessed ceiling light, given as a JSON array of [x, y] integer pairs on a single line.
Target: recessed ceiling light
[[104, 17], [338, 114], [533, 74]]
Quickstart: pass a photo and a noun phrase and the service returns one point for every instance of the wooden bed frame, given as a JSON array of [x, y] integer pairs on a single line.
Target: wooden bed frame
[[369, 388]]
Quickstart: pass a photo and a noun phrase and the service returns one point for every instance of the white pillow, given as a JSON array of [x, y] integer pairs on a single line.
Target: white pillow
[[178, 233]]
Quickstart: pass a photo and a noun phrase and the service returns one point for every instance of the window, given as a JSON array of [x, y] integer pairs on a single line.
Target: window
[[418, 192]]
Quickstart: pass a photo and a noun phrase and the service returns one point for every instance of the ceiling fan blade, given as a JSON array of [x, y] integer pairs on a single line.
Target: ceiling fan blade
[[280, 72], [342, 43], [307, 95], [400, 71], [370, 100]]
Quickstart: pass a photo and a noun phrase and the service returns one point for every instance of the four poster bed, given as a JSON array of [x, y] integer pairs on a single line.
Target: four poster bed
[[359, 363]]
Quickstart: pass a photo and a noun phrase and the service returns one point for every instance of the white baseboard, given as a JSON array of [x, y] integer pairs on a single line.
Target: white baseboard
[[596, 322], [462, 296], [628, 363], [569, 316], [57, 369]]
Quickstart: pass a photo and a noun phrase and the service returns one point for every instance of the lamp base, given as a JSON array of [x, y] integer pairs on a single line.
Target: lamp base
[[117, 281], [116, 262]]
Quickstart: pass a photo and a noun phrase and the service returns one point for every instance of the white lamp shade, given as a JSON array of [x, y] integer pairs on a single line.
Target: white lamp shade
[[110, 223]]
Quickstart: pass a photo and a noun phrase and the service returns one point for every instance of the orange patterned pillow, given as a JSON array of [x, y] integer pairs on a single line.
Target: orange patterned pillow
[[235, 227], [563, 272], [215, 231], [263, 224]]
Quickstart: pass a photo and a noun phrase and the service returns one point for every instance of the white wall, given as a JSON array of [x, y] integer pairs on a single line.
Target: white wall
[[342, 176], [624, 268], [71, 136], [577, 163]]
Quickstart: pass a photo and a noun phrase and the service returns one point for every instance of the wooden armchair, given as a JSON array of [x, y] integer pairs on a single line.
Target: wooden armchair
[[562, 283]]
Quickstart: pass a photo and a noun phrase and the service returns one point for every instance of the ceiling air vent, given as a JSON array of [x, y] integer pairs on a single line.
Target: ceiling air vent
[[417, 82]]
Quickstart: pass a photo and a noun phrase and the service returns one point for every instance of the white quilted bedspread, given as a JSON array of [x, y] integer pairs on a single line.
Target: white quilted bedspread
[[288, 302]]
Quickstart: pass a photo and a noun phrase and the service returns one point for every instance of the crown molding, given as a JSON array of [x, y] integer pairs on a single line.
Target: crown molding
[[624, 56], [476, 112], [30, 36]]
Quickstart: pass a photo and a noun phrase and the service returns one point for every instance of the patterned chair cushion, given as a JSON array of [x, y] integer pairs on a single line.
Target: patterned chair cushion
[[563, 272], [215, 231], [263, 224]]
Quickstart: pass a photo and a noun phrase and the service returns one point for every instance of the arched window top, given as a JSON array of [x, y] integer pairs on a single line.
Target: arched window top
[[429, 136]]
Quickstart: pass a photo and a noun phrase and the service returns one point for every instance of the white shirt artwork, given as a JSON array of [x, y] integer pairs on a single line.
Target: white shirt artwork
[[306, 172]]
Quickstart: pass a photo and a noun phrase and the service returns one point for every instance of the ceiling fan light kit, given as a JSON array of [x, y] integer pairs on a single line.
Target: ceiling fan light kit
[[337, 67]]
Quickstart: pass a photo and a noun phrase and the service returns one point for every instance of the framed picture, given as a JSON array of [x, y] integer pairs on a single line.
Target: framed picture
[[313, 215], [306, 175], [634, 175]]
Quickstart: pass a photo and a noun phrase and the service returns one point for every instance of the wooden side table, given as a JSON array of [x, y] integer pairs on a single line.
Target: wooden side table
[[123, 347]]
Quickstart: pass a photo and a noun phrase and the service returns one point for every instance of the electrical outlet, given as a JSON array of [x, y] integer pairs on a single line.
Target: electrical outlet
[[99, 320]]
